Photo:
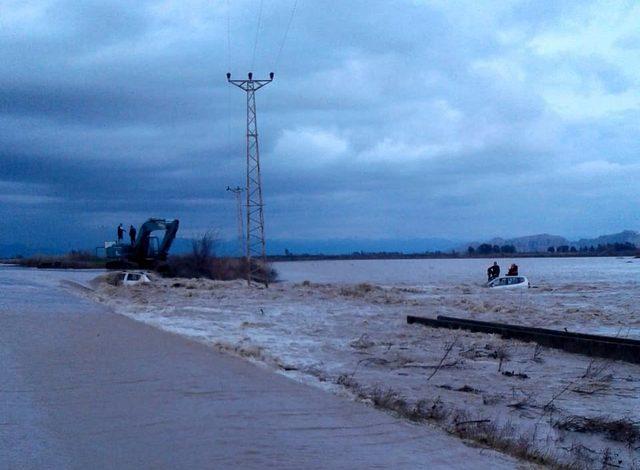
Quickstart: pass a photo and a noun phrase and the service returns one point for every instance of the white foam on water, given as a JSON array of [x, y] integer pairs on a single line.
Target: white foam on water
[[320, 332]]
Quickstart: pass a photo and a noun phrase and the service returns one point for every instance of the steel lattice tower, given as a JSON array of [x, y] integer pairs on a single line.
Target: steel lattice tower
[[256, 245]]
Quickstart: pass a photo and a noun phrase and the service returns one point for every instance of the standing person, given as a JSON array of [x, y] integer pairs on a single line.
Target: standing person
[[132, 235], [120, 233], [493, 271]]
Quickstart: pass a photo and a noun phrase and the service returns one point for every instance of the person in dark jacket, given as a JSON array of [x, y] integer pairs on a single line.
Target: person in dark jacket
[[132, 235], [493, 272], [120, 233], [513, 270]]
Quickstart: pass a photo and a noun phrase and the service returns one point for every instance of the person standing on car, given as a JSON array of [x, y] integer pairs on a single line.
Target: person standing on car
[[132, 235], [120, 233], [493, 271]]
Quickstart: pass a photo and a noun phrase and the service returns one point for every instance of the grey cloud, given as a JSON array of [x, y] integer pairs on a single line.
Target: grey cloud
[[112, 111]]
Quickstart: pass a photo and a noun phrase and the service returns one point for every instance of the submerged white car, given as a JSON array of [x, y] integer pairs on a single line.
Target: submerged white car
[[509, 282], [132, 278]]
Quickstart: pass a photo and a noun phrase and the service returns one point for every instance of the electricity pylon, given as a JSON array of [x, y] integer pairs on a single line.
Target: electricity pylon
[[237, 191], [256, 245]]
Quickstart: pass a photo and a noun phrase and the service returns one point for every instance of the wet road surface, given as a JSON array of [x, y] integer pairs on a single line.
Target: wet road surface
[[83, 387]]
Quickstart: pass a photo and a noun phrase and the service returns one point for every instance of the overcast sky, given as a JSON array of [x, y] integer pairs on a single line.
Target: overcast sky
[[386, 119]]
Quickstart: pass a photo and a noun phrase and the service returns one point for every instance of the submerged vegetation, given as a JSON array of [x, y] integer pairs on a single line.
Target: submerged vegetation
[[75, 259], [220, 269], [202, 262], [459, 422]]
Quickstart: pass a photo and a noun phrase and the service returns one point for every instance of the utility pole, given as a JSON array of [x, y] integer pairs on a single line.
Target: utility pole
[[256, 246], [237, 191]]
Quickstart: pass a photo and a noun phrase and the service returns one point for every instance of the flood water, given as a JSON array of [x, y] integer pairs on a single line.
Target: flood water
[[467, 271], [335, 327], [38, 289], [83, 387]]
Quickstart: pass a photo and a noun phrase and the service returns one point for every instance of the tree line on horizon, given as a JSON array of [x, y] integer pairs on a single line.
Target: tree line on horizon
[[488, 249]]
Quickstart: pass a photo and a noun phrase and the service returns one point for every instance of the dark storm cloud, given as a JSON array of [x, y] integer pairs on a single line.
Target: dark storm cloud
[[386, 119]]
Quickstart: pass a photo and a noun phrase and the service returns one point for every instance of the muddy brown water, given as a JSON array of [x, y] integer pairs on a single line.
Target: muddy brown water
[[86, 388]]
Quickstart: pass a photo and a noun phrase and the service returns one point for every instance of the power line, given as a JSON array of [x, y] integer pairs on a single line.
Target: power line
[[228, 68], [286, 34], [255, 43], [228, 35]]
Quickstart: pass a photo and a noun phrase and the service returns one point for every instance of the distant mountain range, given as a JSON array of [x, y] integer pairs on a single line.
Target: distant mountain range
[[12, 250], [626, 236], [540, 243], [527, 244], [346, 246]]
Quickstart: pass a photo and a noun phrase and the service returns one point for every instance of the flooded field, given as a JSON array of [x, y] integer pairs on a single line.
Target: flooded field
[[455, 271], [83, 387], [342, 326], [595, 295]]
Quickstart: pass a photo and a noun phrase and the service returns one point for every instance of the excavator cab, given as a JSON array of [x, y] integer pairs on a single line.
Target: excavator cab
[[149, 250]]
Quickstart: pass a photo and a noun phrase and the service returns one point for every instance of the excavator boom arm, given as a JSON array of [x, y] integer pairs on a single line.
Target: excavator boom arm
[[141, 250]]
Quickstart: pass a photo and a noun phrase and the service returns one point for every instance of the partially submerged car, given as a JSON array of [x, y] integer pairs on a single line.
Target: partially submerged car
[[132, 278], [509, 282]]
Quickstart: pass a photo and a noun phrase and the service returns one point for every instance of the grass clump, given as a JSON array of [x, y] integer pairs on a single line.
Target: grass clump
[[359, 290], [620, 430]]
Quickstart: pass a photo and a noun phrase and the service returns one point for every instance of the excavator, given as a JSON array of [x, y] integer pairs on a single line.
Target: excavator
[[147, 251]]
